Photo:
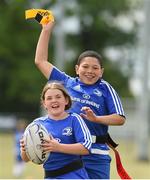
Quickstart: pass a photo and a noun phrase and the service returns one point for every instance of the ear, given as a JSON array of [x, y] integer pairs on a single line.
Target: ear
[[67, 100], [76, 69], [44, 105]]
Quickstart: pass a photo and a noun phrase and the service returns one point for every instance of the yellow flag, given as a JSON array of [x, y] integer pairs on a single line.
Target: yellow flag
[[41, 15]]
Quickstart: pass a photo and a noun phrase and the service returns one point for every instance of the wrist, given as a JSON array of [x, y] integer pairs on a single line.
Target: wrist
[[97, 119]]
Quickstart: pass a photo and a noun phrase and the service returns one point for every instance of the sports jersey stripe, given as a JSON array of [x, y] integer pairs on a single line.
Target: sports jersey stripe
[[120, 105], [88, 142], [86, 132], [115, 98], [117, 104], [112, 95]]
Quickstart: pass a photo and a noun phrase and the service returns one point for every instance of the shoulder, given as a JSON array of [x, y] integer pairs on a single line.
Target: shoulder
[[76, 118], [71, 82], [75, 115], [40, 119], [106, 85], [56, 72]]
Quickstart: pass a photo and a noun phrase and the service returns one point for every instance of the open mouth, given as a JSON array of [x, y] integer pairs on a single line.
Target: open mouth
[[90, 77], [55, 106]]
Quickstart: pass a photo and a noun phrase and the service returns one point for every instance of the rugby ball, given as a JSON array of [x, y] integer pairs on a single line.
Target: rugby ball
[[34, 136]]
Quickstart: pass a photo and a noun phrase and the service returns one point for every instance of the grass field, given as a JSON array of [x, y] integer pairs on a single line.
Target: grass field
[[127, 149]]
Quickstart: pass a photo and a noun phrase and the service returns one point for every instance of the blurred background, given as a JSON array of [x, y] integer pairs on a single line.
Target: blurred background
[[118, 29]]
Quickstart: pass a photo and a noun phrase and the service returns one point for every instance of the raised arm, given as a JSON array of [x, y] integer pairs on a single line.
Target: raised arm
[[41, 56]]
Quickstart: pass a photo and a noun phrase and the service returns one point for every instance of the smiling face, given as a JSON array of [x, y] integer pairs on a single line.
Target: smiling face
[[55, 103], [89, 70]]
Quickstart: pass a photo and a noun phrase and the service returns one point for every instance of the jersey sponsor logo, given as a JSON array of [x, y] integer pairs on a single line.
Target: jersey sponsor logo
[[86, 96], [67, 131], [97, 92], [85, 101]]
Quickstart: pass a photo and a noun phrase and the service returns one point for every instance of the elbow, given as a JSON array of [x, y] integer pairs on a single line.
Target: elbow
[[37, 63], [86, 152], [122, 120]]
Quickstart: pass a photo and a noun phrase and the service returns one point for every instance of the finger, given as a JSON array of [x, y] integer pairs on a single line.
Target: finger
[[47, 149], [84, 108], [46, 140], [45, 145], [51, 137], [83, 115], [89, 112]]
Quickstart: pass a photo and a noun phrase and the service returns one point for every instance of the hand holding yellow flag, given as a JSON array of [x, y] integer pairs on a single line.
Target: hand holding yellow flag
[[41, 15]]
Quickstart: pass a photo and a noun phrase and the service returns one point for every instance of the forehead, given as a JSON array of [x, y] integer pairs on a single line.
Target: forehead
[[53, 92], [90, 61]]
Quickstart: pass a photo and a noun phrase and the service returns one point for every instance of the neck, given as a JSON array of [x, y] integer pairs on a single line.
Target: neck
[[61, 116]]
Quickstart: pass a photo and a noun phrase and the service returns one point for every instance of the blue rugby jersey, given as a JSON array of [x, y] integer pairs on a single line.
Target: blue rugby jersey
[[68, 131], [100, 97], [18, 136]]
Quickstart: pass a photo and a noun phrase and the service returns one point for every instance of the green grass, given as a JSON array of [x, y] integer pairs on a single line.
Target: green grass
[[127, 149], [135, 168], [32, 171]]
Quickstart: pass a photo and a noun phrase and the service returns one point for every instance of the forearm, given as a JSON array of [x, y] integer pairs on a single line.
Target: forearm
[[41, 56], [77, 148], [42, 47], [113, 120], [24, 156]]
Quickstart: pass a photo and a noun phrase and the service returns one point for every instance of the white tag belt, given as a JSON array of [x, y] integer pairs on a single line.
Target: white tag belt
[[99, 151], [93, 139]]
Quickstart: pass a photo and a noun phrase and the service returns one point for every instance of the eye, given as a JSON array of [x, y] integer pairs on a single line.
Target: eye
[[48, 98], [85, 67], [58, 96], [96, 68]]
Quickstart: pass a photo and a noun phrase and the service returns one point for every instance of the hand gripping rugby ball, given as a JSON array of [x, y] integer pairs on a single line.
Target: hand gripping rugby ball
[[34, 136]]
